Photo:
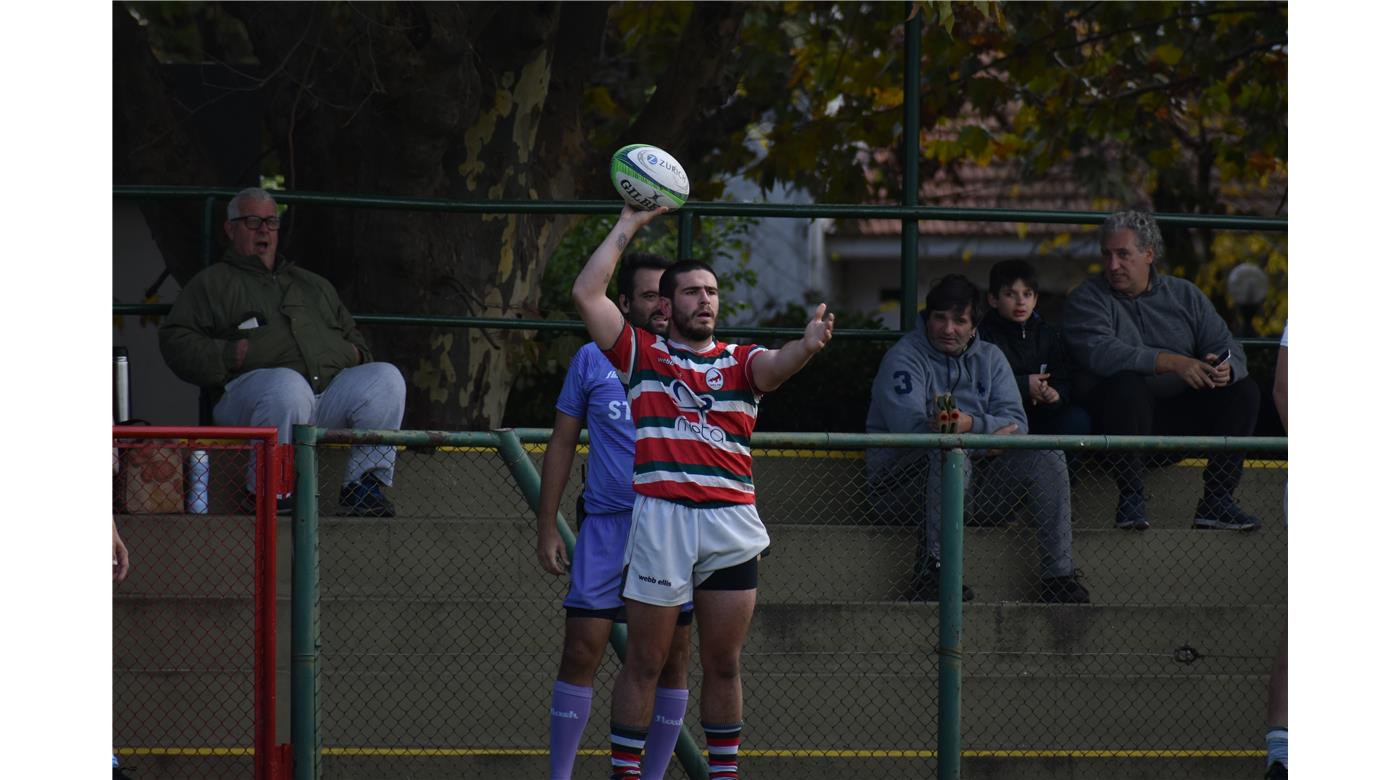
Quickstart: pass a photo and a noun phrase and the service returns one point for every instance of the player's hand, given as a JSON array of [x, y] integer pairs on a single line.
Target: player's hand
[[818, 332], [1197, 374], [636, 219], [1219, 375], [552, 553]]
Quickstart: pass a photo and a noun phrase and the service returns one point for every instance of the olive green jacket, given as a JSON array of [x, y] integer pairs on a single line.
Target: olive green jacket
[[292, 318]]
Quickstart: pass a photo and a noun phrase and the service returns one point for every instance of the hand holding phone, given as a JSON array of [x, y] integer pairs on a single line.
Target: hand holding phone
[[1220, 370]]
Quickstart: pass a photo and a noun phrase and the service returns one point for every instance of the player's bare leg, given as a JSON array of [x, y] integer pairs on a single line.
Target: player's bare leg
[[722, 617], [585, 639], [650, 634], [668, 711]]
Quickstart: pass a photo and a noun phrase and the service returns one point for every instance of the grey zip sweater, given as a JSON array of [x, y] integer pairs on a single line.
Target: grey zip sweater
[[913, 372], [1108, 332]]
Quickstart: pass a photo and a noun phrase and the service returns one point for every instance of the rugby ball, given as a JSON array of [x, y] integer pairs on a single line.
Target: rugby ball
[[648, 178]]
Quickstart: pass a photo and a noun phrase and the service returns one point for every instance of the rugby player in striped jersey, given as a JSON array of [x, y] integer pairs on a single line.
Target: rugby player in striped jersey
[[695, 534]]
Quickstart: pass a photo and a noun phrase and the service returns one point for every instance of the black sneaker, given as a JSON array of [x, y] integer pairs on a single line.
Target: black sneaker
[[1223, 514], [1277, 771], [1132, 512], [365, 498], [1063, 590], [248, 504], [925, 586]]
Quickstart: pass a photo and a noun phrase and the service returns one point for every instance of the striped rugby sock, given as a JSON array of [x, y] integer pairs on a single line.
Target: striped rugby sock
[[722, 743], [627, 742]]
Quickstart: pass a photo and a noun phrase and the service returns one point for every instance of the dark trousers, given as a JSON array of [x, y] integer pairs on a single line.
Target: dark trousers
[[1122, 405]]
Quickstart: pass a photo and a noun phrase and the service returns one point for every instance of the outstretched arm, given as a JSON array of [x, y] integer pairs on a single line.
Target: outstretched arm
[[590, 292], [772, 368]]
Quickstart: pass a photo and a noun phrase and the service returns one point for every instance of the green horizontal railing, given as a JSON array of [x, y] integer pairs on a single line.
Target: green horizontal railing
[[212, 196], [707, 209], [575, 326]]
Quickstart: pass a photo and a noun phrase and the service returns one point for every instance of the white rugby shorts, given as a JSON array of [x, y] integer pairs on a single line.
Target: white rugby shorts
[[673, 547]]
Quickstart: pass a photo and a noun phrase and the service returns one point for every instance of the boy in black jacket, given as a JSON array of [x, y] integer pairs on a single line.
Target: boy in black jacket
[[1033, 348]]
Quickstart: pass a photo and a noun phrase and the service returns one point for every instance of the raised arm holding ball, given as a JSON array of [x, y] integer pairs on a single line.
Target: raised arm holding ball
[[696, 535]]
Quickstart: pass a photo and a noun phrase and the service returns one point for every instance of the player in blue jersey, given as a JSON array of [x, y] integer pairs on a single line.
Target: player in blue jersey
[[593, 394]]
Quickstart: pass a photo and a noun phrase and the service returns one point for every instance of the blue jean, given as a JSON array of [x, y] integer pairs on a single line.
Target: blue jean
[[368, 396]]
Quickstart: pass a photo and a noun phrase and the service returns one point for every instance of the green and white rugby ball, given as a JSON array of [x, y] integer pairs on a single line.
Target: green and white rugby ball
[[648, 178]]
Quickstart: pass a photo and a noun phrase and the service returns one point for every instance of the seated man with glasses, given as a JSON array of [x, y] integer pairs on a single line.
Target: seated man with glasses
[[276, 346]]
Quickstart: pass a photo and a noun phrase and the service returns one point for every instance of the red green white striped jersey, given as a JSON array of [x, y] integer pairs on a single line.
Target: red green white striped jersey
[[694, 412]]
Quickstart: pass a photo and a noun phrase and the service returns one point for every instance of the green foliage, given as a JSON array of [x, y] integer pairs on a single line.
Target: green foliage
[[832, 392]]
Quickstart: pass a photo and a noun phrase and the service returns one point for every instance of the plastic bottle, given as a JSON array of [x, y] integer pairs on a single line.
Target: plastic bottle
[[121, 386], [197, 491]]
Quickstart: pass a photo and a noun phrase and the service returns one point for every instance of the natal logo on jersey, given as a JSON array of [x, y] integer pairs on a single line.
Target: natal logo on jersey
[[687, 401]]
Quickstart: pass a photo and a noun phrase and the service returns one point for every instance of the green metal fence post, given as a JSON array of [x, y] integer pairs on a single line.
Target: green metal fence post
[[306, 628], [950, 586], [685, 243], [909, 246], [508, 444]]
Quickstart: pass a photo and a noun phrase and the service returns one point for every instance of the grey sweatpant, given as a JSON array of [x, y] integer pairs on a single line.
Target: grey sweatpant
[[1040, 475], [370, 396]]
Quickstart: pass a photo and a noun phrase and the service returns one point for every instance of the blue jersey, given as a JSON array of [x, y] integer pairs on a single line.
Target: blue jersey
[[593, 393]]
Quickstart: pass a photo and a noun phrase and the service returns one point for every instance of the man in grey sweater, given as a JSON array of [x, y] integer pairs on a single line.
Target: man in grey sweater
[[944, 358], [1158, 359]]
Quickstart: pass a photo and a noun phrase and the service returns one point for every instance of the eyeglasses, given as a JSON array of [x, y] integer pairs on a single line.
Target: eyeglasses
[[253, 223]]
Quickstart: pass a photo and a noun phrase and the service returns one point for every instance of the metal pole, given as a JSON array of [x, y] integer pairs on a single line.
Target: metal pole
[[306, 622], [267, 479], [909, 247], [508, 444], [685, 248], [950, 587]]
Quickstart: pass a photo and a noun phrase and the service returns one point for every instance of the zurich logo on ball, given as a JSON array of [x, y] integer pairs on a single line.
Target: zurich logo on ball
[[651, 158]]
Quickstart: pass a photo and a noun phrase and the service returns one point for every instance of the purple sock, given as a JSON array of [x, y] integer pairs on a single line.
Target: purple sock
[[568, 715], [667, 718]]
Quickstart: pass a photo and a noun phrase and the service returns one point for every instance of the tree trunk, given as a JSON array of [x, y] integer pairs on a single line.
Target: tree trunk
[[472, 101]]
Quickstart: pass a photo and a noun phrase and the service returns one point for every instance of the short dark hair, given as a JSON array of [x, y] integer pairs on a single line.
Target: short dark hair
[[668, 279], [955, 292], [1009, 272], [633, 262]]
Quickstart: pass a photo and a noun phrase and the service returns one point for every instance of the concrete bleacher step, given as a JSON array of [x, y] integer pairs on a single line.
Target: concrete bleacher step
[[442, 630], [792, 487], [1034, 676], [457, 557]]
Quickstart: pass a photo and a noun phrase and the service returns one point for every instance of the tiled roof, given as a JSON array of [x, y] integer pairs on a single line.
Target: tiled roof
[[997, 185]]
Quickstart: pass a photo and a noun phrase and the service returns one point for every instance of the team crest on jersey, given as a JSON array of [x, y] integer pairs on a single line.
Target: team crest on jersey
[[714, 379], [688, 400]]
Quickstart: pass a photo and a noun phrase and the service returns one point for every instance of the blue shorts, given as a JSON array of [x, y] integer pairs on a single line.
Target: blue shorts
[[595, 576]]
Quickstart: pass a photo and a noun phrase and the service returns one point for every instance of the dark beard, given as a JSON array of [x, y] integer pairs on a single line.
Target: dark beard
[[688, 330], [646, 324]]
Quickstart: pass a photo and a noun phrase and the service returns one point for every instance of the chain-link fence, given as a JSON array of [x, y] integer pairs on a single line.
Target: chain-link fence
[[194, 662], [440, 635]]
